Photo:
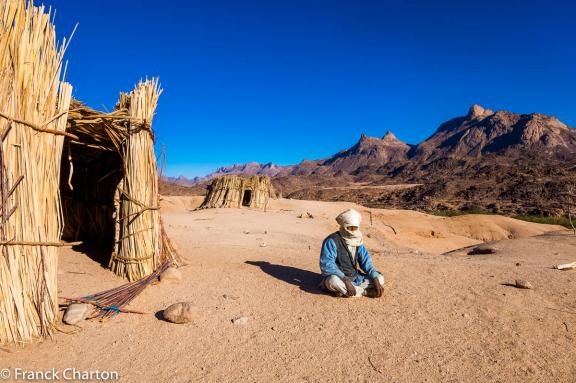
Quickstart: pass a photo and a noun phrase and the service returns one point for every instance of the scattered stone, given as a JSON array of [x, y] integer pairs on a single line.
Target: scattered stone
[[171, 275], [522, 284], [240, 321], [306, 215], [566, 266], [182, 312], [233, 297], [481, 250], [76, 312]]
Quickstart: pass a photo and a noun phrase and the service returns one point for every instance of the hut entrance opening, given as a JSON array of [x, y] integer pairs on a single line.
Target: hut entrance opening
[[247, 198], [89, 179]]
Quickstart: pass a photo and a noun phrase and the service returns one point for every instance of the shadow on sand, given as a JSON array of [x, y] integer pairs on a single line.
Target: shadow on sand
[[306, 280], [96, 253]]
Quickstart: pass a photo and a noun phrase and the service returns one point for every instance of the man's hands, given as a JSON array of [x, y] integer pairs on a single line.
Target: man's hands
[[350, 289], [378, 288]]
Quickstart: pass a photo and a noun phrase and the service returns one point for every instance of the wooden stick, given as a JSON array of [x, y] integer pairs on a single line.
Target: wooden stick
[[38, 128], [38, 243]]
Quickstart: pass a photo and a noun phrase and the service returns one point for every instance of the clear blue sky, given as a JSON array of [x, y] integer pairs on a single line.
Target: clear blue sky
[[281, 81]]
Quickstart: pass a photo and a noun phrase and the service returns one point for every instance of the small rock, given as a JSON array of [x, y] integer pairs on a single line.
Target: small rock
[[246, 232], [76, 313], [518, 264], [263, 244], [306, 215], [241, 321], [522, 284], [182, 312], [171, 275], [479, 250]]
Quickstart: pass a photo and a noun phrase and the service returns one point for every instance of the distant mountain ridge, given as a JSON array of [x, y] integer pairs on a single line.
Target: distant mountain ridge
[[250, 168], [479, 133]]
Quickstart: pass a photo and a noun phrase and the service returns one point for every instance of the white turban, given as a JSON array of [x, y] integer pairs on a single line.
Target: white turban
[[348, 218]]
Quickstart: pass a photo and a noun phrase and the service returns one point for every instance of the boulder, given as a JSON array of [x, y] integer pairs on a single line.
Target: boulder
[[76, 312], [479, 250], [182, 312], [522, 284], [240, 321], [171, 275]]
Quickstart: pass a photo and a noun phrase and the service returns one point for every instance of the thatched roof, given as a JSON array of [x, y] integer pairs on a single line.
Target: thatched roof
[[101, 130]]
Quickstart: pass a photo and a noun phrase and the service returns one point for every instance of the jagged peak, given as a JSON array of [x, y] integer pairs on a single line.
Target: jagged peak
[[389, 136], [478, 111]]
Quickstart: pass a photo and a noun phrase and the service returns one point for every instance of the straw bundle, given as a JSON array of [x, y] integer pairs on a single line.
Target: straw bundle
[[236, 191], [138, 243], [33, 107]]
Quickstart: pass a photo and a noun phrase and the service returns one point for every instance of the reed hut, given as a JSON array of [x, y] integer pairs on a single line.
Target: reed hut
[[238, 191], [66, 172], [109, 183]]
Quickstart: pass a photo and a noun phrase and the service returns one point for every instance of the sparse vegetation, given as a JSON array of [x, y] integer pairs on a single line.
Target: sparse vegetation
[[562, 221], [474, 209]]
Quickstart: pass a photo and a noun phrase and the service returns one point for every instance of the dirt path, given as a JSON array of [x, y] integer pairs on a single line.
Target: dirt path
[[448, 318]]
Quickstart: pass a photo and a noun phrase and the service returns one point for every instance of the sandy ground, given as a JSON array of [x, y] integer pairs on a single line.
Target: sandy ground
[[444, 317]]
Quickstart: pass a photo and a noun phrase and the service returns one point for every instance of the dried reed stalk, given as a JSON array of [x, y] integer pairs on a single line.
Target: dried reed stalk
[[31, 95], [111, 302], [138, 244]]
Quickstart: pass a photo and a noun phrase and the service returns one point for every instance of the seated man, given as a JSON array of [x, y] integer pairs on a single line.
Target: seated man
[[346, 266]]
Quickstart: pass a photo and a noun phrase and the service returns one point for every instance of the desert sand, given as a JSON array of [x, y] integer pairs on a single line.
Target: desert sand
[[446, 316]]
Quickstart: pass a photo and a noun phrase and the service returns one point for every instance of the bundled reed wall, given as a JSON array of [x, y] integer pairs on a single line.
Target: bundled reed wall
[[235, 191], [138, 244], [33, 111]]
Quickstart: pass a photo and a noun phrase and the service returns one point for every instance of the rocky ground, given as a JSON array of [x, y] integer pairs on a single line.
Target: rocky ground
[[445, 316]]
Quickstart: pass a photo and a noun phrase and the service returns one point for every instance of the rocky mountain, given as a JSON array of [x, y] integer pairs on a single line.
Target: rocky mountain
[[253, 168], [180, 181], [368, 152], [250, 168], [482, 131], [496, 161]]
